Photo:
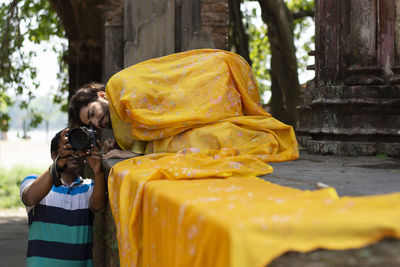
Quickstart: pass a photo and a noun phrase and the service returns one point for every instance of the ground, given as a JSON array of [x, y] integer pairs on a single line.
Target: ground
[[353, 176], [13, 237]]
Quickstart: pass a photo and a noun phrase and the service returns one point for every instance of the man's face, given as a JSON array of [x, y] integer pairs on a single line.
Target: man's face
[[75, 161], [96, 114]]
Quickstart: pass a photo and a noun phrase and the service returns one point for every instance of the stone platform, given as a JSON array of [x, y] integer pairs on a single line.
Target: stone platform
[[351, 176]]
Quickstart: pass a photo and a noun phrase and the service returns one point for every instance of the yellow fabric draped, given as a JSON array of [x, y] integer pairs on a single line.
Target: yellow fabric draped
[[162, 98], [194, 198]]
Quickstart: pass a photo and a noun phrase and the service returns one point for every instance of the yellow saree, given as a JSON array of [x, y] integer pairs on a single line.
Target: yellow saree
[[194, 198]]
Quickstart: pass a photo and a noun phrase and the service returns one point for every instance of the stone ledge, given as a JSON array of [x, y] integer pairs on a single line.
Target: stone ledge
[[351, 176], [349, 148], [382, 254]]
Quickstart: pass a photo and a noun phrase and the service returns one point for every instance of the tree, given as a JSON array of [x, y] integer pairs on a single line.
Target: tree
[[80, 22], [83, 24], [283, 72], [20, 22]]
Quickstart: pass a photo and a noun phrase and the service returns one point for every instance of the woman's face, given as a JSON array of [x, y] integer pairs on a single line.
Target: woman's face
[[96, 114]]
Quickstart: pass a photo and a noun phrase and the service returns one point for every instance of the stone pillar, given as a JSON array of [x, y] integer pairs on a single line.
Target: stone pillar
[[352, 107], [215, 22], [105, 244], [113, 56], [156, 28]]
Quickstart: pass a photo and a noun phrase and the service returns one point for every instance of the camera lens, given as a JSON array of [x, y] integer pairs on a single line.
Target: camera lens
[[79, 139]]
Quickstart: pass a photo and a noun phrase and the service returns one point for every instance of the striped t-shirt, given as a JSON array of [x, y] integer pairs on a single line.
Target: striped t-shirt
[[60, 226]]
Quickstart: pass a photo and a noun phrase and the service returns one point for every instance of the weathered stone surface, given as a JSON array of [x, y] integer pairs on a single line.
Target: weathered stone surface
[[215, 21], [149, 30], [352, 107], [350, 176], [384, 253], [113, 50]]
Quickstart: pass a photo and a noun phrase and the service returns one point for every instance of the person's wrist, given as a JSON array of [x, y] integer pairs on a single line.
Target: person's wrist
[[98, 171], [60, 166]]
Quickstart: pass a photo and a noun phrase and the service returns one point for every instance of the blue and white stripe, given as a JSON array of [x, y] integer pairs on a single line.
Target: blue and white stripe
[[60, 226]]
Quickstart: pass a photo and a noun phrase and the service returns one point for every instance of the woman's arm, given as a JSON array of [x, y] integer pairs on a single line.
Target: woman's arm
[[111, 150], [120, 154]]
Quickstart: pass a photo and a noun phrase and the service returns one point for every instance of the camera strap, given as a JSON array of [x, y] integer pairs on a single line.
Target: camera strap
[[55, 173]]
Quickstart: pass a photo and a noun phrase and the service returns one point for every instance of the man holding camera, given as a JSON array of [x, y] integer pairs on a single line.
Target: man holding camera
[[60, 204]]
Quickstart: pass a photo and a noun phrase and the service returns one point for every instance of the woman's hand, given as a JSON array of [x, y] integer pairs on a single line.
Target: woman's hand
[[120, 154], [108, 145]]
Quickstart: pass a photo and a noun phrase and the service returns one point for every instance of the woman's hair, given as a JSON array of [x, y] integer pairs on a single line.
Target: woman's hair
[[82, 97]]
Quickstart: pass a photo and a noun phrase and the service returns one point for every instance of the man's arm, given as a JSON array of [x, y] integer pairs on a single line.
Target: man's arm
[[37, 190], [97, 200]]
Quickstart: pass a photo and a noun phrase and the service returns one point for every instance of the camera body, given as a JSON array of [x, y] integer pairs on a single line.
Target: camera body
[[82, 138]]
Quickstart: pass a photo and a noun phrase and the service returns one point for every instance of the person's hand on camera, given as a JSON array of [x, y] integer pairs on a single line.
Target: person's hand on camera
[[94, 158], [65, 149]]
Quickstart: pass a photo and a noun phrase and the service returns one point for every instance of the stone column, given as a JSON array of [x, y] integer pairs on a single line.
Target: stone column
[[172, 26], [352, 107]]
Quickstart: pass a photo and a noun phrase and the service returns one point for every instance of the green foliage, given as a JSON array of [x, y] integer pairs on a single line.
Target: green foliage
[[51, 115], [259, 47], [5, 101], [22, 22], [10, 180], [300, 5], [304, 43]]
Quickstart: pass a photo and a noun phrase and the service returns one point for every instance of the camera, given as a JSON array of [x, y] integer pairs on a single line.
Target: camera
[[82, 138]]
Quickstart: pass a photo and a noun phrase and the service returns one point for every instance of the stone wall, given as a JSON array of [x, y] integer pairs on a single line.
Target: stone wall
[[154, 28], [215, 21], [352, 107], [105, 36]]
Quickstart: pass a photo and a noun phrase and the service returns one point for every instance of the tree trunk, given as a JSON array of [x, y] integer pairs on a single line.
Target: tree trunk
[[239, 38], [285, 86], [83, 24]]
